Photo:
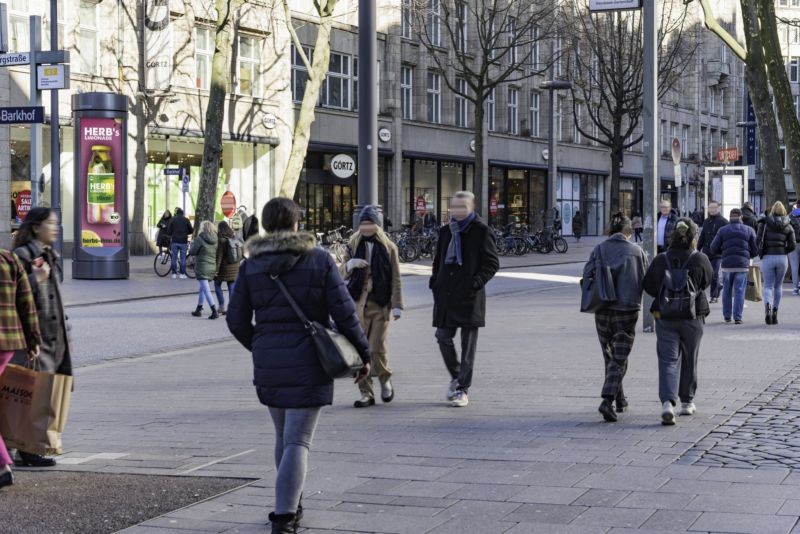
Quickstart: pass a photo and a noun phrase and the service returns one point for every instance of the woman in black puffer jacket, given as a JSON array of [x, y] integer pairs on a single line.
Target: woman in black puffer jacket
[[776, 239], [287, 374]]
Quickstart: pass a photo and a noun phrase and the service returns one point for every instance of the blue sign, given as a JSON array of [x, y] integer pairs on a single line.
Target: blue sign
[[173, 171], [185, 183], [22, 115], [751, 133]]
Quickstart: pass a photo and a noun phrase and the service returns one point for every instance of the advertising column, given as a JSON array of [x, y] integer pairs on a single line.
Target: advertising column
[[101, 204]]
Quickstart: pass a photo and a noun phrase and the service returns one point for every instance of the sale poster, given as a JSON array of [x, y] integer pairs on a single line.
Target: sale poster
[[102, 182], [20, 199]]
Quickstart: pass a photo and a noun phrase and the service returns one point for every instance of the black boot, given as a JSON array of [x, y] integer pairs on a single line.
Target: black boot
[[622, 402], [198, 311], [283, 524], [774, 315], [767, 314], [298, 516], [214, 314], [607, 410], [27, 459], [6, 479]]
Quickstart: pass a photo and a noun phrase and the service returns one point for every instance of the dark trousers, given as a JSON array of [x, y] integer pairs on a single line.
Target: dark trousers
[[462, 371], [637, 234], [716, 282], [616, 331], [678, 347]]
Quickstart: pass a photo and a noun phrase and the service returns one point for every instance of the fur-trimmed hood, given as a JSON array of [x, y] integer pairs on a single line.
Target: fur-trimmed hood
[[278, 252]]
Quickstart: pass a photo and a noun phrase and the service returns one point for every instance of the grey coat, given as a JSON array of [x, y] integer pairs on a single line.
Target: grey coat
[[628, 266], [55, 352]]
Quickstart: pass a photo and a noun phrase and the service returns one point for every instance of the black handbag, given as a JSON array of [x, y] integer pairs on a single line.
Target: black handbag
[[597, 291], [338, 357]]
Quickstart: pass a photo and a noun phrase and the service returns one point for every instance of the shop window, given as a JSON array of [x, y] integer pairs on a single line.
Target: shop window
[[462, 118], [249, 53], [518, 197], [87, 41], [497, 191], [300, 72], [407, 88], [335, 92], [490, 110], [426, 175], [203, 54], [434, 93], [452, 180]]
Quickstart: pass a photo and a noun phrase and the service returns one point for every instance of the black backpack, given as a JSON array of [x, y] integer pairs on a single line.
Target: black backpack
[[235, 252], [678, 294]]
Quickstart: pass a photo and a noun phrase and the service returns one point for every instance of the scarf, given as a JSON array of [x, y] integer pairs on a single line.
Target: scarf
[[379, 268], [454, 247]]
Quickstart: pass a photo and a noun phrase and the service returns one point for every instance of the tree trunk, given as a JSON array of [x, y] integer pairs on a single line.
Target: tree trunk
[[302, 129], [787, 114], [478, 170], [616, 159], [215, 113], [138, 242]]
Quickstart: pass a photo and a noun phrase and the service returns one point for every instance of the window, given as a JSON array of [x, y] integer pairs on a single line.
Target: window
[[559, 116], [783, 157], [665, 143], [408, 19], [797, 106], [595, 128], [557, 45], [335, 92], [490, 111], [576, 132], [299, 73], [407, 87], [18, 38], [434, 23], [673, 134], [783, 2], [723, 53], [61, 22], [795, 3], [203, 53], [794, 69], [461, 26], [87, 41], [512, 117], [461, 103], [721, 101], [434, 91], [794, 34], [354, 92], [534, 108], [685, 141], [511, 40], [594, 69], [249, 54], [712, 100], [535, 47]]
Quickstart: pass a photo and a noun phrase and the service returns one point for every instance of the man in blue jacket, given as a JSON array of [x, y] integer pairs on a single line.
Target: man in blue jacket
[[736, 243]]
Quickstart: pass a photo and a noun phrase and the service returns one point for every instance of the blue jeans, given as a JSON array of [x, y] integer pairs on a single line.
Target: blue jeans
[[794, 262], [733, 288], [204, 293], [220, 294], [774, 269], [294, 431], [716, 264], [174, 249]]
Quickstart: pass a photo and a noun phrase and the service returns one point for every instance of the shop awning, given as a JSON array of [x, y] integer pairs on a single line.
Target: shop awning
[[437, 157], [197, 134], [517, 165], [333, 148], [578, 170]]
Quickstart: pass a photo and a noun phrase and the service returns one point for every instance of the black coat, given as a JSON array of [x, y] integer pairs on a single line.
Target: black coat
[[179, 229], [163, 237], [287, 372], [775, 236], [708, 232], [700, 271], [459, 297], [749, 218]]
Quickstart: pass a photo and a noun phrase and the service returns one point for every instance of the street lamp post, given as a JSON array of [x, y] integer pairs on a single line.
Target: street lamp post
[[650, 159], [367, 107], [552, 167]]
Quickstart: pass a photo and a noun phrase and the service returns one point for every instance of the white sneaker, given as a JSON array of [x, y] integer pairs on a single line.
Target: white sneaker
[[459, 400], [183, 277], [688, 408], [174, 276], [452, 389], [667, 414]]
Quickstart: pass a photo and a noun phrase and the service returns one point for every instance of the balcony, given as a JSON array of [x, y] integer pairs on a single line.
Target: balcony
[[717, 71]]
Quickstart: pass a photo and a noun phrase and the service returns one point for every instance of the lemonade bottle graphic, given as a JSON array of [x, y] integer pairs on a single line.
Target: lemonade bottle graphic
[[100, 187]]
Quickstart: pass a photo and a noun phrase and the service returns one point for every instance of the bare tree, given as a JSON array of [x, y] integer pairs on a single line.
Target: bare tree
[[478, 45], [317, 69], [606, 57]]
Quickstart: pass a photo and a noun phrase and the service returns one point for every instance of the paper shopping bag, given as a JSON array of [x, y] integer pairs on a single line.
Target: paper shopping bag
[[755, 284], [33, 409]]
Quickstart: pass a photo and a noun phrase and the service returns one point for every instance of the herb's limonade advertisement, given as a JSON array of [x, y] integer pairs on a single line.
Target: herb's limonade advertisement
[[101, 149]]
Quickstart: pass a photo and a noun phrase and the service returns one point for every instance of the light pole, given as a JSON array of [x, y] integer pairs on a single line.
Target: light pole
[[552, 168], [650, 159], [367, 107]]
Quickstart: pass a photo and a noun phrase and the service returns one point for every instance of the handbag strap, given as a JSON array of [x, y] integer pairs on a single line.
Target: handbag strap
[[293, 303]]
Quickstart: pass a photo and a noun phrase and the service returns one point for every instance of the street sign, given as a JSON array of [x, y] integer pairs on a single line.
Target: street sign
[[614, 5], [185, 183], [22, 115], [173, 171], [10, 60], [228, 204], [51, 77], [726, 155]]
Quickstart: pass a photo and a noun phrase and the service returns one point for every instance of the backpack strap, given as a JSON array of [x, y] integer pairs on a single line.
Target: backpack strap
[[686, 263]]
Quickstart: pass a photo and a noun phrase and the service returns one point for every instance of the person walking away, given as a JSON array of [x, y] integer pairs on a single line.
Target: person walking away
[[371, 269], [162, 236], [749, 217], [616, 324], [638, 226], [577, 226], [204, 247], [677, 280], [794, 256], [429, 221], [179, 229], [33, 245], [466, 259], [666, 225], [777, 241], [20, 331], [708, 232], [230, 253], [736, 244], [249, 225], [288, 376]]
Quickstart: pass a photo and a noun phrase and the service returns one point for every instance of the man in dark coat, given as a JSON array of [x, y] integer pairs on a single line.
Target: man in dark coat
[[711, 226], [736, 244], [666, 225], [749, 216], [179, 229], [466, 259]]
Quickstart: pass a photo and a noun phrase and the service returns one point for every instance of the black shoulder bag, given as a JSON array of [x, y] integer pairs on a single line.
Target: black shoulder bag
[[338, 357], [597, 291]]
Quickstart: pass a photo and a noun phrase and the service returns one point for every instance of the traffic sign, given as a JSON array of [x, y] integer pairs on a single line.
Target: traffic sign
[[173, 171], [22, 115], [228, 204], [726, 155], [10, 60], [185, 183]]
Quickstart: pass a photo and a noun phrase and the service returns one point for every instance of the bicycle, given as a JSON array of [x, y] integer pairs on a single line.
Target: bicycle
[[162, 264]]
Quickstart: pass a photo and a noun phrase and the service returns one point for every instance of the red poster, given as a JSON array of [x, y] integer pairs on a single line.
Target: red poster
[[101, 182], [421, 205], [493, 207]]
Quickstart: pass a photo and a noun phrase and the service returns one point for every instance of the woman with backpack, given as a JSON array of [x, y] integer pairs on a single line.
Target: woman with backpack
[[776, 239], [616, 323], [677, 280], [204, 247], [229, 255]]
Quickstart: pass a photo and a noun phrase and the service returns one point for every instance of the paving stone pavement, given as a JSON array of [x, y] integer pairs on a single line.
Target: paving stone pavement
[[529, 455]]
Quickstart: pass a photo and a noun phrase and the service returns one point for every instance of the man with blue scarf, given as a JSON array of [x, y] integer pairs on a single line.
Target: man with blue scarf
[[466, 259]]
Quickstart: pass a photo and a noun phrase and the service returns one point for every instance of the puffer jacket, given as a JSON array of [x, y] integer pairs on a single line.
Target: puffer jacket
[[628, 265], [226, 271], [749, 218], [287, 372], [204, 246], [736, 243], [708, 232], [775, 236]]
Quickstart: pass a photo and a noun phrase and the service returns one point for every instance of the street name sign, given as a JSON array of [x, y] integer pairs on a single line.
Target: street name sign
[[173, 171], [614, 5], [20, 58], [22, 115]]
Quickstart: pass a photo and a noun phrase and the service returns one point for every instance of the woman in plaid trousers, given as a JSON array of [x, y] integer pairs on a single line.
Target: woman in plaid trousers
[[616, 324]]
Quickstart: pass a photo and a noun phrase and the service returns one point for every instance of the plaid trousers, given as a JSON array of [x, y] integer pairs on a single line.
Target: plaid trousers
[[616, 331]]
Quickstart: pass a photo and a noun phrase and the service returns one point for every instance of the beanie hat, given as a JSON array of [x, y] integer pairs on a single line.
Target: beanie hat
[[369, 213]]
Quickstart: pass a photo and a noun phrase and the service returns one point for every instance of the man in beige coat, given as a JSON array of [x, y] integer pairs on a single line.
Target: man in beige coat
[[371, 269]]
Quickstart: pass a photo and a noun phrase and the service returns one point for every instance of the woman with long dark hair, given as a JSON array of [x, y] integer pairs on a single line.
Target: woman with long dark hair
[[163, 237], [228, 250], [33, 245]]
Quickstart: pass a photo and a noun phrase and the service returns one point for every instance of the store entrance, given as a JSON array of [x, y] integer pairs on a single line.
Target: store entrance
[[327, 206]]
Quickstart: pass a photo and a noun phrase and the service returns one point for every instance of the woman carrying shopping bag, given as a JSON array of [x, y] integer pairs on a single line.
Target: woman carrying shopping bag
[[33, 246], [776, 239], [204, 247], [371, 268], [20, 331], [288, 375]]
